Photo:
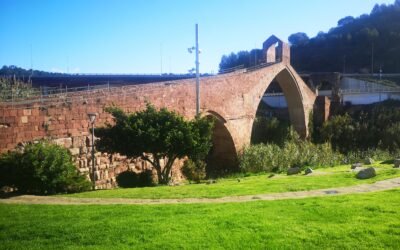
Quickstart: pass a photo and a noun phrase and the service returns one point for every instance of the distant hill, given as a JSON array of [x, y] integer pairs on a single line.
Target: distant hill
[[37, 78], [355, 45], [20, 72]]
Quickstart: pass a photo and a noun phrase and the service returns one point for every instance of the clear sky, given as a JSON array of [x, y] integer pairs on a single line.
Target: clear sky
[[150, 36]]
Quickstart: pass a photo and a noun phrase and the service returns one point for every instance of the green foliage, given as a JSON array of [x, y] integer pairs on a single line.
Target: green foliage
[[194, 170], [391, 136], [163, 134], [245, 58], [12, 88], [130, 179], [250, 184], [347, 47], [340, 131], [361, 221], [299, 38], [351, 43], [378, 126], [293, 153], [269, 130], [42, 168], [13, 70], [362, 155]]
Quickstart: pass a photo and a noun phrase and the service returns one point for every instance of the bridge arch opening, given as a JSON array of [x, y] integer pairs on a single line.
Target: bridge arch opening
[[280, 106], [222, 158]]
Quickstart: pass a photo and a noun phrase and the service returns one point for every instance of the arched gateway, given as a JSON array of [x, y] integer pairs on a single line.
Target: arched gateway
[[232, 98]]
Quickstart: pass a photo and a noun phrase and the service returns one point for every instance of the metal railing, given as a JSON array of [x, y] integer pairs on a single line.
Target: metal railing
[[370, 90], [262, 65], [230, 70], [14, 97]]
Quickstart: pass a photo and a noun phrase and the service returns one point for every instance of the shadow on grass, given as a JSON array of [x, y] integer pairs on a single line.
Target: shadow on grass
[[7, 195], [388, 162]]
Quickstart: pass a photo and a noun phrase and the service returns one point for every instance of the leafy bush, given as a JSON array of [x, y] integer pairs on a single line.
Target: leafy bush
[[341, 132], [269, 130], [129, 179], [375, 126], [194, 170], [362, 155], [270, 157], [42, 168]]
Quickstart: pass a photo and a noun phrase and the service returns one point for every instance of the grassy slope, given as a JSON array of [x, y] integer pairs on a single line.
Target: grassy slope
[[332, 177], [363, 221]]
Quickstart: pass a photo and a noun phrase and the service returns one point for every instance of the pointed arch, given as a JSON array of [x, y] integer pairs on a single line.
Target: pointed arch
[[222, 157]]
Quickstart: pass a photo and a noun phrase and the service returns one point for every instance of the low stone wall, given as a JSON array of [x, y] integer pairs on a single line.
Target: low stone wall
[[107, 166]]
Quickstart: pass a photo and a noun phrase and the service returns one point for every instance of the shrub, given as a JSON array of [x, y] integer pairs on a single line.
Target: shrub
[[391, 137], [376, 126], [42, 168], [129, 179], [269, 130], [362, 155], [194, 170], [270, 157], [341, 132]]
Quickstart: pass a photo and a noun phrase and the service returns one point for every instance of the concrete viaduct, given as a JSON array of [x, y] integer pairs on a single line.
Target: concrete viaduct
[[232, 99]]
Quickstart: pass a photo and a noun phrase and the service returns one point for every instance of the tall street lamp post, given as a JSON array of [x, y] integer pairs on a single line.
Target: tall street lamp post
[[92, 118], [196, 48]]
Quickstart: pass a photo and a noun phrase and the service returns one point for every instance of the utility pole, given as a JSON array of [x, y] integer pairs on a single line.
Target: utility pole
[[197, 72], [190, 50], [31, 62], [161, 59]]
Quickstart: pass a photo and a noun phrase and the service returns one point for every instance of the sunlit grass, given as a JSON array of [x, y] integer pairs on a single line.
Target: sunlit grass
[[363, 221], [339, 176]]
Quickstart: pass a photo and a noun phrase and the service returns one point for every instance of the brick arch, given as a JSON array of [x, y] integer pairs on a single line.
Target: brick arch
[[222, 157], [297, 100]]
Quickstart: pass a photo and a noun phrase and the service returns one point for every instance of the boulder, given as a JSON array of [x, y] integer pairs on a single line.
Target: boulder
[[396, 163], [369, 161], [211, 182], [356, 165], [366, 173], [292, 171], [308, 171]]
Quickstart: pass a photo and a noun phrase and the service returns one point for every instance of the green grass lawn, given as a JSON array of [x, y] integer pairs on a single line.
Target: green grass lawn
[[323, 178], [362, 221]]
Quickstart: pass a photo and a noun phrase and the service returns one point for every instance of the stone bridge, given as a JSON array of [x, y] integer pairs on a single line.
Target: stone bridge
[[232, 99]]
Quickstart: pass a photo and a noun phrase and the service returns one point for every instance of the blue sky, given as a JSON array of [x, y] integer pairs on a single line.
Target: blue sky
[[152, 36]]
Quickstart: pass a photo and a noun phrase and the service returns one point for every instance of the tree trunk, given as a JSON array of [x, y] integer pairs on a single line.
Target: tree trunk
[[163, 174]]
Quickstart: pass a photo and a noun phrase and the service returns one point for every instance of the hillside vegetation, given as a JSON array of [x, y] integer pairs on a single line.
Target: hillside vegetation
[[356, 45]]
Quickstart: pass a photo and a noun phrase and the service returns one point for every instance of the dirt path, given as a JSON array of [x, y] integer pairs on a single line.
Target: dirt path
[[364, 188]]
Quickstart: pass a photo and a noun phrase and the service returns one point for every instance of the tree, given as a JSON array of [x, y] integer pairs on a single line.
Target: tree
[[345, 21], [156, 136], [299, 38]]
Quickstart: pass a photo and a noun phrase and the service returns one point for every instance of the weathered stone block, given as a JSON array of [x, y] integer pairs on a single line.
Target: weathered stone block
[[397, 163], [308, 171], [27, 112], [369, 161], [366, 173], [356, 165], [74, 151], [292, 171], [24, 119]]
